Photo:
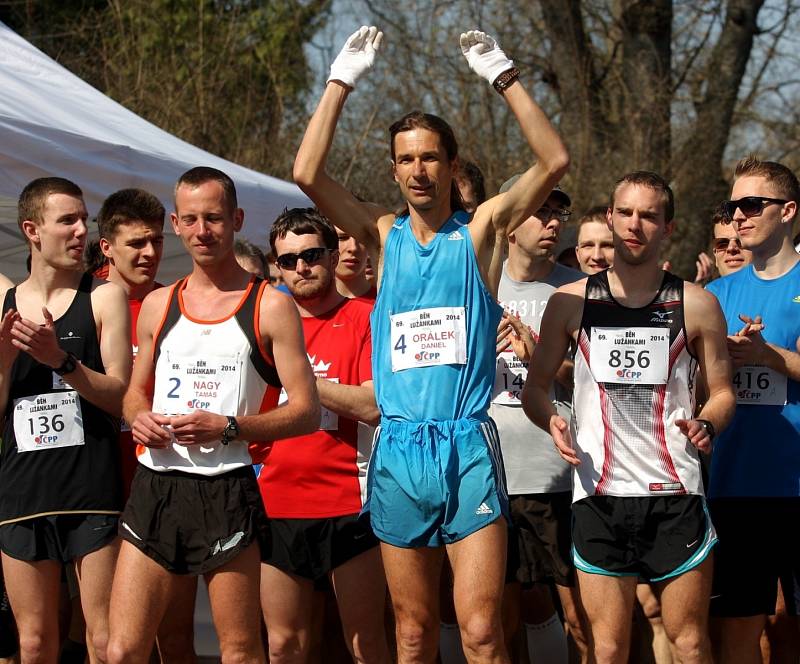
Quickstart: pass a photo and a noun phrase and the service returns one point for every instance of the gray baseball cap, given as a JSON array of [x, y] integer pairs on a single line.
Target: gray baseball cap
[[557, 192]]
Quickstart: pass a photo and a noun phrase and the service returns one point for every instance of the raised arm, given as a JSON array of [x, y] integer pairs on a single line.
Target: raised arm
[[335, 201], [503, 213]]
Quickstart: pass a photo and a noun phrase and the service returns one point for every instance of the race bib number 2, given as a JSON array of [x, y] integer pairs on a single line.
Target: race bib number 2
[[191, 383], [428, 337], [48, 421], [630, 355]]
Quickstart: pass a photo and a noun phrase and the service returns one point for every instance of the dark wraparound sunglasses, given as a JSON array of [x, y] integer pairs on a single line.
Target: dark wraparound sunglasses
[[751, 206], [308, 256], [722, 244]]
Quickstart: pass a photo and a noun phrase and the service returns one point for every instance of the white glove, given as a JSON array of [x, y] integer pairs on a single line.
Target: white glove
[[356, 56], [483, 54]]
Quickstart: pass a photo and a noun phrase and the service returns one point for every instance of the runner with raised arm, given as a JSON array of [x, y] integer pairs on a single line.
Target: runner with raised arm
[[436, 476]]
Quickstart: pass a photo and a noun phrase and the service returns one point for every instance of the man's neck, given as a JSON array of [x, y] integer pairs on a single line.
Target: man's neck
[[46, 279], [318, 306], [635, 285], [226, 275], [355, 287], [771, 262], [134, 291], [426, 223], [522, 267]]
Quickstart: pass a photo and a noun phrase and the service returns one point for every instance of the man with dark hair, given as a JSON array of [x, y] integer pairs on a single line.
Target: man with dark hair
[[595, 247], [312, 484], [726, 246], [471, 186], [638, 507], [436, 477], [64, 364], [200, 175], [215, 350], [250, 258], [754, 489]]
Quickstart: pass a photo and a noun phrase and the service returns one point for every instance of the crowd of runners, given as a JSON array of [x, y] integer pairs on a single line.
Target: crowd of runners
[[480, 453]]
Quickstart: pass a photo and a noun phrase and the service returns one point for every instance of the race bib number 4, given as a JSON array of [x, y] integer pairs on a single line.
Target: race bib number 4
[[428, 337], [760, 386], [191, 384], [47, 421], [630, 355], [509, 379]]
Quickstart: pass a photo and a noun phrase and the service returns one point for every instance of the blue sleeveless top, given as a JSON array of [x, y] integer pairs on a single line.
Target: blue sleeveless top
[[443, 273]]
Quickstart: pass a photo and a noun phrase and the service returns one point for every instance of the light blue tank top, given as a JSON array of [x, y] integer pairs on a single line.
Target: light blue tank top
[[758, 454], [443, 273]]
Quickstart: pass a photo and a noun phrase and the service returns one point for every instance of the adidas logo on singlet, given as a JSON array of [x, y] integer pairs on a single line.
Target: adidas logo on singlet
[[483, 509], [455, 235], [796, 298]]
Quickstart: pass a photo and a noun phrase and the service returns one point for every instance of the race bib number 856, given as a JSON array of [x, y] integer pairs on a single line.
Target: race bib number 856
[[631, 355]]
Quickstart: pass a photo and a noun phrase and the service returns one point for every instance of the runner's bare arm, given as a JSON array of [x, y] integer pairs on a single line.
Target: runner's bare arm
[[706, 328], [8, 353], [555, 336], [282, 330], [112, 319], [147, 427], [356, 402], [367, 223], [503, 213], [752, 349]]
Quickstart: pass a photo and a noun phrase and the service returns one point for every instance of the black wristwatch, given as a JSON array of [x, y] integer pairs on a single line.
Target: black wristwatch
[[69, 365], [231, 431], [709, 428]]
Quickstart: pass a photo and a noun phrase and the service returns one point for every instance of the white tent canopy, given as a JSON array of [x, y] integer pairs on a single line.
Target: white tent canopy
[[54, 123]]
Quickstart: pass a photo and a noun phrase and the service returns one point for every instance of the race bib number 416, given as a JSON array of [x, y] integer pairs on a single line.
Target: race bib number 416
[[760, 386], [630, 355], [428, 337]]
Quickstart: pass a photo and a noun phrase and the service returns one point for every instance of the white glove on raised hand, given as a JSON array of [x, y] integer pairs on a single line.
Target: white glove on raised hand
[[483, 54], [356, 56]]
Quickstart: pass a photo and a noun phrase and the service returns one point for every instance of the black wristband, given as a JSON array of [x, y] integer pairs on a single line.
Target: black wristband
[[709, 428], [502, 82]]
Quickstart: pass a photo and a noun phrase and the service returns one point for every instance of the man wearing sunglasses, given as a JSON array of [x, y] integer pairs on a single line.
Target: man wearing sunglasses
[[726, 246], [312, 484], [538, 479], [215, 349], [436, 478], [755, 471], [638, 507]]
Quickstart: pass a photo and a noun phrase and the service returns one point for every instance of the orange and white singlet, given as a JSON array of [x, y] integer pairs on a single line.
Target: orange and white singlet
[[218, 366]]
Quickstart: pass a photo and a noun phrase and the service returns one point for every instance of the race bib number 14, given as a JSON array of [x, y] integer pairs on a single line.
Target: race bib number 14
[[630, 355]]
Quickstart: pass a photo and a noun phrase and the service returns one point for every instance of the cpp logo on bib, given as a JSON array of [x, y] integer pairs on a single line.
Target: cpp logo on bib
[[45, 440], [627, 374], [426, 356], [197, 404]]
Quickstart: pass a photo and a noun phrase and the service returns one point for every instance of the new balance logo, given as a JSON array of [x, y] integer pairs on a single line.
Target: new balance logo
[[483, 509], [455, 235]]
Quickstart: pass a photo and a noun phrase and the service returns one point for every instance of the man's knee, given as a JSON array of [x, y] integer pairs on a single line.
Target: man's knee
[[691, 644], [97, 641], [119, 652], [35, 646], [481, 633], [416, 637], [287, 646], [609, 650]]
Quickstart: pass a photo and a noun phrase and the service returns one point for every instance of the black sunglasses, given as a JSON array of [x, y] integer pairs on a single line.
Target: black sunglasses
[[308, 256], [751, 206], [722, 244]]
